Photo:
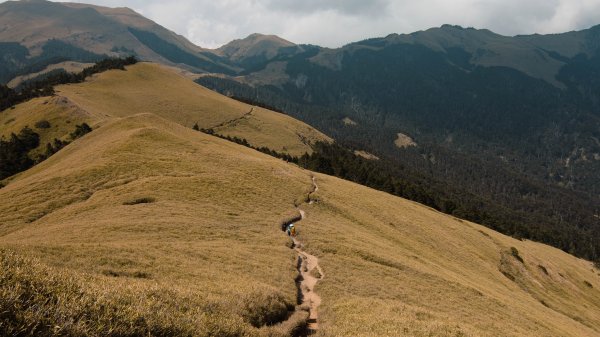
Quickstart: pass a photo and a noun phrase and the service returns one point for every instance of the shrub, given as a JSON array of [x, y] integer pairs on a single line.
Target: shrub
[[508, 275], [43, 124], [515, 253], [143, 200], [136, 274], [80, 131]]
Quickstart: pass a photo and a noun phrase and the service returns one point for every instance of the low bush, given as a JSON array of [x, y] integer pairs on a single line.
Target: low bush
[[515, 253], [143, 200], [43, 124], [80, 131]]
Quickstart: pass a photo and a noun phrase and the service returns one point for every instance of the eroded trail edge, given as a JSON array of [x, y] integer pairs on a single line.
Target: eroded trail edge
[[309, 274]]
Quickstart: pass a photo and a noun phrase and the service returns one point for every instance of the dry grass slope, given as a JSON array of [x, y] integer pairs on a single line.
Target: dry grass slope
[[162, 91], [198, 240], [396, 268]]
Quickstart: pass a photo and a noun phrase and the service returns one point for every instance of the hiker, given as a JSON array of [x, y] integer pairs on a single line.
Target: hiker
[[291, 230]]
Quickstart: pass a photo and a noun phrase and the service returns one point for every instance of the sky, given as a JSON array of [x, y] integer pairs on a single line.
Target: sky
[[333, 23]]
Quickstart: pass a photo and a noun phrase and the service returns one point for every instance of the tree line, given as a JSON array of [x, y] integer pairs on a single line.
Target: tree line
[[243, 141], [14, 151]]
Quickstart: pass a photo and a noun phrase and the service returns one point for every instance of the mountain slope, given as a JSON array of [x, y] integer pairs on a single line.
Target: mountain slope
[[31, 25], [199, 217], [257, 49], [508, 123], [152, 88]]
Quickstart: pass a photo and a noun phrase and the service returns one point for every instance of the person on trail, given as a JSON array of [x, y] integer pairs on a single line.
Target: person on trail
[[291, 230]]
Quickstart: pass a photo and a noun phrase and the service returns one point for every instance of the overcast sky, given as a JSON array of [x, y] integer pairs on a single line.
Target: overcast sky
[[333, 23]]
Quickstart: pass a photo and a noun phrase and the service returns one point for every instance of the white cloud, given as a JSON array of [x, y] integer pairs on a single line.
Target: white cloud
[[333, 23]]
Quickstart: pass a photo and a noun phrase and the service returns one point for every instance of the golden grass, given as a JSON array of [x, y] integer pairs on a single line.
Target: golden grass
[[151, 88], [276, 131], [396, 268], [393, 267], [366, 155], [404, 141], [198, 234]]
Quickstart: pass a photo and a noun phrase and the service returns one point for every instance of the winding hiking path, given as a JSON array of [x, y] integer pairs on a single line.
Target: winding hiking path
[[310, 273], [233, 121]]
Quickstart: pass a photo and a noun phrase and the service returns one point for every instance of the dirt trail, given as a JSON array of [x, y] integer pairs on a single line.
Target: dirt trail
[[310, 274], [234, 121]]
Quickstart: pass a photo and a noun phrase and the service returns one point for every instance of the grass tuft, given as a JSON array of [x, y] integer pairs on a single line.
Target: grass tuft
[[135, 274]]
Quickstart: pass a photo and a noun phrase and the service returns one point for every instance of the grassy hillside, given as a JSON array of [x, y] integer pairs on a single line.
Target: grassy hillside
[[152, 88], [180, 231], [397, 268], [61, 114], [163, 209]]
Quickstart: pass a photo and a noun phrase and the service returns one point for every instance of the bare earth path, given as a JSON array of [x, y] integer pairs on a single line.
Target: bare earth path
[[310, 274]]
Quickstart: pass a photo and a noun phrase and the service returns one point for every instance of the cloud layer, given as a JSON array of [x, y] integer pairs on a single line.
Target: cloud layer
[[333, 23]]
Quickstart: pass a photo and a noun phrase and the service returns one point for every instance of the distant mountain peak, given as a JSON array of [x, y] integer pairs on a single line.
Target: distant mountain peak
[[255, 45]]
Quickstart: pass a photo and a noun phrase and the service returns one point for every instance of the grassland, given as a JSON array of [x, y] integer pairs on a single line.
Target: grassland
[[146, 227], [396, 268], [198, 236], [164, 92]]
